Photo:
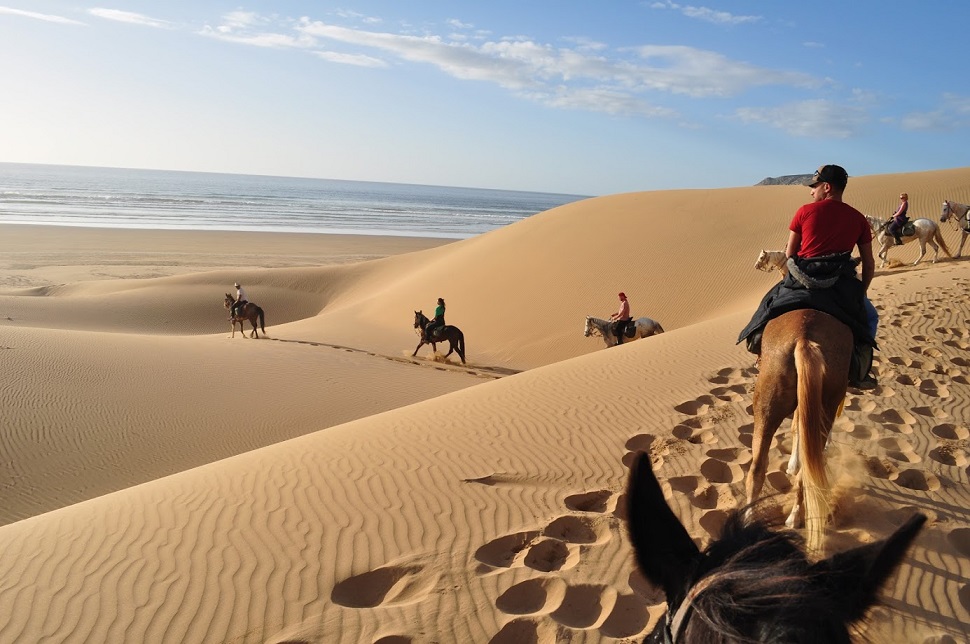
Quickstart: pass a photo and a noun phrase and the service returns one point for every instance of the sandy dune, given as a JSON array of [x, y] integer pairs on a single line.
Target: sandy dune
[[165, 483]]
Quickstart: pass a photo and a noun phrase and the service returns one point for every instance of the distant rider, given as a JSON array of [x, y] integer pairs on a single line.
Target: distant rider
[[899, 219], [621, 318], [239, 303], [437, 321]]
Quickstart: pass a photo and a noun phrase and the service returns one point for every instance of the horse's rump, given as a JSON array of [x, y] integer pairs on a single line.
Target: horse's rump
[[804, 369]]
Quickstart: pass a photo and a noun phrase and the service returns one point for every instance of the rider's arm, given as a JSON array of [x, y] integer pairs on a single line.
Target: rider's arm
[[868, 263], [794, 244]]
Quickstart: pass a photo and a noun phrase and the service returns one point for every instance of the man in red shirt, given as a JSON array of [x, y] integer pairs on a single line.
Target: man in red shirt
[[822, 274], [828, 225]]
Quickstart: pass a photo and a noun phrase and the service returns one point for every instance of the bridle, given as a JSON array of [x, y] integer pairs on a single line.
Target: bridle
[[591, 327], [948, 214], [676, 623]]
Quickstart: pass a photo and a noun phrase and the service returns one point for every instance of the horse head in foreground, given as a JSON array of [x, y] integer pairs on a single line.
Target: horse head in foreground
[[636, 329], [923, 230], [961, 214], [247, 311], [753, 584], [449, 333]]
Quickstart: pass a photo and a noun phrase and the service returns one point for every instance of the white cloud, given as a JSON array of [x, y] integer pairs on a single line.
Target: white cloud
[[129, 17], [268, 40], [360, 60], [953, 114], [577, 74], [525, 64], [706, 14], [39, 16], [697, 72], [821, 118]]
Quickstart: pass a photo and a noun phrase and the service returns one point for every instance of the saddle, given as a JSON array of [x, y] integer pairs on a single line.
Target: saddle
[[629, 328], [908, 229]]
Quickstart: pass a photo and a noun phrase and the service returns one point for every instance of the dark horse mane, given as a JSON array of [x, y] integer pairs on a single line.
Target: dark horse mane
[[754, 583]]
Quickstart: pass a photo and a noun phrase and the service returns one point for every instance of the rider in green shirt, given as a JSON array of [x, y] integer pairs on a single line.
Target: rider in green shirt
[[437, 321]]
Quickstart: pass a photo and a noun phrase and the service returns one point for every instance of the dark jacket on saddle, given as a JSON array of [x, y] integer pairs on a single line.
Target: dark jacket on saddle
[[826, 284]]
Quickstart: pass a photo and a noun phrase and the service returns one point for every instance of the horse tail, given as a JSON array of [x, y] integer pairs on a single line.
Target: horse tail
[[813, 427], [461, 344], [259, 312], [660, 329], [938, 236]]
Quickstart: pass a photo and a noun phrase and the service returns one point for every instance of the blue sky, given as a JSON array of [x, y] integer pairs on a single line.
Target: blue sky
[[581, 97]]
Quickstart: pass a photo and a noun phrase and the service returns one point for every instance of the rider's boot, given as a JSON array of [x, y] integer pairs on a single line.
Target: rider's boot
[[899, 240], [860, 374]]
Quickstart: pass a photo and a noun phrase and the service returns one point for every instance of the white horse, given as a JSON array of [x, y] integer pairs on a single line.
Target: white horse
[[770, 260], [961, 214], [924, 231], [643, 328]]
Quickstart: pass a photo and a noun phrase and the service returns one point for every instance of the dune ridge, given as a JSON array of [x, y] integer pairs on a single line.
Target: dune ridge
[[165, 483]]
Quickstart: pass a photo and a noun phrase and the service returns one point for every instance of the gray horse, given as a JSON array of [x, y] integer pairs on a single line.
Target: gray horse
[[643, 328], [925, 232], [961, 214]]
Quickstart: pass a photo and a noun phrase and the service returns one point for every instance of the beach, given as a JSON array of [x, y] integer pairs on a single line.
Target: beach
[[165, 482]]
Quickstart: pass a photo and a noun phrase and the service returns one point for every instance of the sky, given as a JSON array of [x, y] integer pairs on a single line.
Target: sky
[[586, 97]]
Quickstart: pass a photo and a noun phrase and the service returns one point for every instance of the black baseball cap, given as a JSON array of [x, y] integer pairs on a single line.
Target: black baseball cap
[[834, 174]]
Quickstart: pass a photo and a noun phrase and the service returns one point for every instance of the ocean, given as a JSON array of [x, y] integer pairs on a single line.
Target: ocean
[[159, 199]]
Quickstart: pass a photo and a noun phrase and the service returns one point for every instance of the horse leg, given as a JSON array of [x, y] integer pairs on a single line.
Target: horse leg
[[253, 333], [922, 252], [772, 403], [936, 250], [963, 240], [421, 343], [796, 518]]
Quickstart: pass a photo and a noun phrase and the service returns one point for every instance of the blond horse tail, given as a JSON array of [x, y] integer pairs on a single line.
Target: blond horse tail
[[938, 237], [813, 427]]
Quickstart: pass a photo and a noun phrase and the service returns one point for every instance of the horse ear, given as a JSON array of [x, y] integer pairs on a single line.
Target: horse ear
[[855, 576], [664, 551]]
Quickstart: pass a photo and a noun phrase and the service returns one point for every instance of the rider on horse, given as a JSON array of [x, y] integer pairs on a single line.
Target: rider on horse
[[436, 322], [239, 303], [899, 219], [621, 318], [822, 273]]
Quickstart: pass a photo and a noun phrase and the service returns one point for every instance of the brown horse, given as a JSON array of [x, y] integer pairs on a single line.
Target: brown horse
[[754, 583], [454, 336], [804, 371], [247, 311]]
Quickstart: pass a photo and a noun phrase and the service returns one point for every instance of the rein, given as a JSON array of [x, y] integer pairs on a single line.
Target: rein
[[677, 621]]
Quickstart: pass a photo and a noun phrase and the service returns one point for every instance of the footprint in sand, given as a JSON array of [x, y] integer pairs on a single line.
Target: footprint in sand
[[542, 607], [900, 449], [948, 454], [940, 639], [934, 389], [949, 431], [863, 432], [959, 538], [387, 586], [532, 597], [900, 421], [931, 412], [917, 480], [596, 501], [655, 446], [880, 468]]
